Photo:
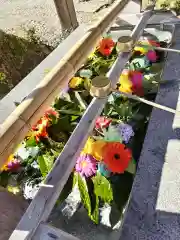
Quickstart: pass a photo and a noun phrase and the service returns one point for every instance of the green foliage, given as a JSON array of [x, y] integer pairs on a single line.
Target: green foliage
[[165, 4], [85, 198], [102, 188], [42, 166], [2, 76], [88, 198], [31, 142], [131, 167]]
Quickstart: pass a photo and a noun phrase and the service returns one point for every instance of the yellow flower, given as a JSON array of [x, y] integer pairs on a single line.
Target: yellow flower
[[92, 54], [94, 148], [10, 158], [125, 83], [4, 167], [142, 50], [15, 190], [75, 82]]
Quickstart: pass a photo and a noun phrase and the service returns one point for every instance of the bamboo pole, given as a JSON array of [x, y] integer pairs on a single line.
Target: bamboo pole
[[17, 125], [67, 14], [150, 103]]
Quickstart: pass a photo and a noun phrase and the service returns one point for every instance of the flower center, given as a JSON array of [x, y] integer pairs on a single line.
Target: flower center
[[117, 156], [83, 164]]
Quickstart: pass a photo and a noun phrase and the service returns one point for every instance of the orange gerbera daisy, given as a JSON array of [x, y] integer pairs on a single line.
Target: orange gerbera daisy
[[116, 156], [106, 46], [40, 130]]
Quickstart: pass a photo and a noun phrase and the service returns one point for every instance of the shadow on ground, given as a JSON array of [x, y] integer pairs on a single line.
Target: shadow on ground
[[18, 57]]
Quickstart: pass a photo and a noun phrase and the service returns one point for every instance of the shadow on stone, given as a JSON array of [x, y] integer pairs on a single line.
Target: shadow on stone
[[154, 207]]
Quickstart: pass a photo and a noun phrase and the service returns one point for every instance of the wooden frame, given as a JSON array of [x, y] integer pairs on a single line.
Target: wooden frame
[[17, 125], [43, 203]]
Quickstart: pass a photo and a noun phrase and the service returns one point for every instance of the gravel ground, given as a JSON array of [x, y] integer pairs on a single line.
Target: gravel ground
[[19, 15]]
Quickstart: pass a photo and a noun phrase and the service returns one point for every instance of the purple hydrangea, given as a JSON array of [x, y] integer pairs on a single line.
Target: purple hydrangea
[[126, 132], [86, 165]]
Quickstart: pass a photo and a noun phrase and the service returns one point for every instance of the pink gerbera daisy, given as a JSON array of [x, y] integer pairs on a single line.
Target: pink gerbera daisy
[[86, 165]]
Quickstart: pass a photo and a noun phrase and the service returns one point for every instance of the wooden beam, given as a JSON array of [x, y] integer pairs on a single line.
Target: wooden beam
[[67, 14], [44, 201], [16, 126]]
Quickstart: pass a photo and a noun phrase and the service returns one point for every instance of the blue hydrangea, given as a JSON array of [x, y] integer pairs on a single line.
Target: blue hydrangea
[[126, 131]]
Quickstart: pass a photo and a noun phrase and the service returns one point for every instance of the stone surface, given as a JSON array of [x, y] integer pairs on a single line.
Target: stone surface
[[11, 210], [19, 15], [71, 217], [154, 208]]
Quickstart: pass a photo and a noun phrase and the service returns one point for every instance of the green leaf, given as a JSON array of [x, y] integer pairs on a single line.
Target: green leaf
[[49, 161], [71, 112], [95, 214], [42, 166], [67, 187], [85, 198], [131, 167], [74, 118], [102, 188], [63, 124], [31, 142]]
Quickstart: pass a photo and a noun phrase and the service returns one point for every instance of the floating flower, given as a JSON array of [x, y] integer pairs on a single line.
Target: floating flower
[[13, 189], [51, 112], [86, 165], [94, 148], [140, 63], [153, 43], [141, 49], [92, 54], [14, 165], [125, 82], [151, 56], [126, 131], [106, 46], [146, 45], [75, 82], [4, 167], [40, 130], [137, 81], [86, 73], [116, 157], [112, 135], [102, 168], [102, 122]]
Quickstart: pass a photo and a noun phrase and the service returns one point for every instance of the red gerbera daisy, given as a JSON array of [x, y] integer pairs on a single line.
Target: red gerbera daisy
[[106, 46], [116, 156]]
